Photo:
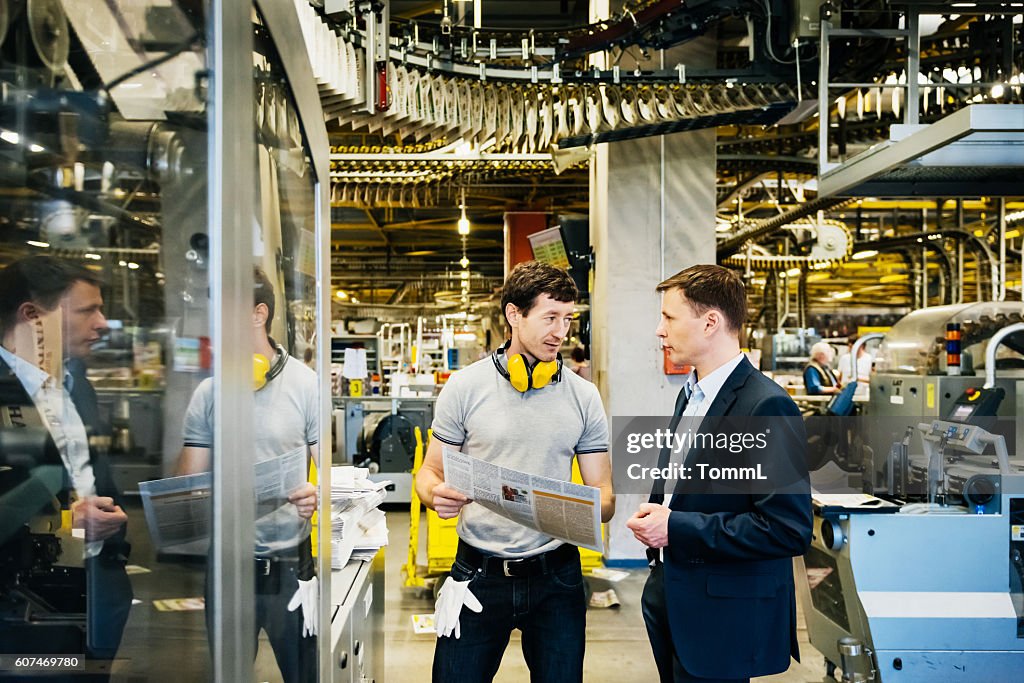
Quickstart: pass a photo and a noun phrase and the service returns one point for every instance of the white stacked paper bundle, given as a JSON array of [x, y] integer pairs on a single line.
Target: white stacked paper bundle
[[358, 526]]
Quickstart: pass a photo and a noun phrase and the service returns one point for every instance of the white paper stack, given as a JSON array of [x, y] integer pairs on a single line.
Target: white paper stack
[[358, 526]]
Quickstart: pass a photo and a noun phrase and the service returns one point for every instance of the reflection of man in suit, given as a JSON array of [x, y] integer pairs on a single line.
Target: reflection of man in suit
[[719, 603], [50, 317]]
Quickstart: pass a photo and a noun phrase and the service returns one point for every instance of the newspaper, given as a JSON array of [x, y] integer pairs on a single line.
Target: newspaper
[[178, 512], [275, 479], [567, 511], [178, 508]]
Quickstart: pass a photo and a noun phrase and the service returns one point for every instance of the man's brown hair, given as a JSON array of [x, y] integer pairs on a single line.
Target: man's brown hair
[[263, 293], [709, 286], [42, 280], [531, 279]]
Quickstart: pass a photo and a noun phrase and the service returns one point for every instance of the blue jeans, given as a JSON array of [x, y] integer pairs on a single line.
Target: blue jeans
[[296, 654], [549, 609]]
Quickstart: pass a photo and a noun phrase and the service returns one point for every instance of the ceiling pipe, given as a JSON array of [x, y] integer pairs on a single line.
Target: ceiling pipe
[[981, 248], [899, 244]]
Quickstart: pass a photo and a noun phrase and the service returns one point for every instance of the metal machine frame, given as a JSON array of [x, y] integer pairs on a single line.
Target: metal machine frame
[[925, 592], [349, 419]]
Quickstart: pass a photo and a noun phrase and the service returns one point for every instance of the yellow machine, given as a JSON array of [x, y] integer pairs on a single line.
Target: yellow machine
[[442, 541]]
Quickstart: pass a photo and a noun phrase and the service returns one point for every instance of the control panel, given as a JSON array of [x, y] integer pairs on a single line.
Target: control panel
[[960, 437], [975, 403]]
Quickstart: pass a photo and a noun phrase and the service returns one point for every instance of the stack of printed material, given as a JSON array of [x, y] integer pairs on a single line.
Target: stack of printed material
[[358, 527]]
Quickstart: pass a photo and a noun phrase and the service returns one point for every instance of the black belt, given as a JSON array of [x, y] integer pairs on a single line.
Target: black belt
[[265, 566], [535, 565], [302, 553]]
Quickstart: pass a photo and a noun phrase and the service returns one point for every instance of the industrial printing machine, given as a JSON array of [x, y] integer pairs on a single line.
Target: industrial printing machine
[[919, 577]]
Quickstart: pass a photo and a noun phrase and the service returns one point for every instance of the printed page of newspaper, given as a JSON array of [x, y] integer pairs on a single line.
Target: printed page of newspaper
[[567, 511], [276, 478], [178, 508], [178, 512]]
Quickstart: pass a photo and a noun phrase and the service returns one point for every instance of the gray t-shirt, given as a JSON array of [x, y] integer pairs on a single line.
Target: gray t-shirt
[[285, 418], [538, 432]]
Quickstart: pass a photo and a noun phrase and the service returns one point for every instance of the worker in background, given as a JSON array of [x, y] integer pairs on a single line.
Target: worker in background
[[819, 379], [580, 365], [285, 418], [719, 603], [862, 373], [51, 315], [517, 408]]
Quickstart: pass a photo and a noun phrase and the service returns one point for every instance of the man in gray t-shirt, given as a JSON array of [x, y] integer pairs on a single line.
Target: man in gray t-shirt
[[517, 409], [285, 418]]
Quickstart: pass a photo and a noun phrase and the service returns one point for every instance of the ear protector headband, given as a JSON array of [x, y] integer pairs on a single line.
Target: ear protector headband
[[522, 376], [263, 371]]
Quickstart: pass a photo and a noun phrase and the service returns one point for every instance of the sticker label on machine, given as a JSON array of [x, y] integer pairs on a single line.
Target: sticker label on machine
[[1017, 532]]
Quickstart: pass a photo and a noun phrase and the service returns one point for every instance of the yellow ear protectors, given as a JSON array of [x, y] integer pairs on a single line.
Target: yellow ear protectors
[[263, 371], [522, 377], [260, 368]]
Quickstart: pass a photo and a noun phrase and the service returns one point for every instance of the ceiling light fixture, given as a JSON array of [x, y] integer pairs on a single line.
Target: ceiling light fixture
[[463, 220]]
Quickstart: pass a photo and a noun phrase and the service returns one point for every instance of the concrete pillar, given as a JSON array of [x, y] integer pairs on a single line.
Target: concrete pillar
[[652, 213]]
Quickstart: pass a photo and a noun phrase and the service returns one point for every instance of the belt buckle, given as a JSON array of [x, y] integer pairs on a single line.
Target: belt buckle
[[263, 566], [505, 564]]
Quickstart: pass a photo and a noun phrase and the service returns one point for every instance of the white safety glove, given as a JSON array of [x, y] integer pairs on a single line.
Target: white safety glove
[[450, 601], [308, 598]]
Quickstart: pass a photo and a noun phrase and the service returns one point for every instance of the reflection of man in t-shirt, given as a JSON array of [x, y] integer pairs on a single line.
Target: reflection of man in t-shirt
[[285, 418]]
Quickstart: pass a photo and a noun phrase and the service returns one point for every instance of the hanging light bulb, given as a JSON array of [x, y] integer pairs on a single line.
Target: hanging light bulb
[[463, 221]]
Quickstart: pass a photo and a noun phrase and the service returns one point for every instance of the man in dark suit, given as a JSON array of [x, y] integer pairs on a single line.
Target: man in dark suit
[[719, 603], [50, 317]]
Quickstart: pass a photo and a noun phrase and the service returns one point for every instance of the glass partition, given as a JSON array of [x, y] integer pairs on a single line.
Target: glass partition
[[160, 321]]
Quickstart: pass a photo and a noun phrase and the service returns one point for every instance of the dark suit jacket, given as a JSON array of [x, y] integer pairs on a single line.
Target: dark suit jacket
[[107, 587], [728, 565], [84, 398]]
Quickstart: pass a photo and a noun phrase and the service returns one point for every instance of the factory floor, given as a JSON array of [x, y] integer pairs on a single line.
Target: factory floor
[[172, 646], [617, 646]]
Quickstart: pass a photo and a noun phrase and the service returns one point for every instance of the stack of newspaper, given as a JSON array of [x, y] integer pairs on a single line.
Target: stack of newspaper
[[358, 526]]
